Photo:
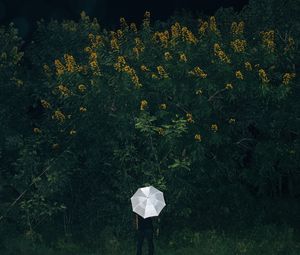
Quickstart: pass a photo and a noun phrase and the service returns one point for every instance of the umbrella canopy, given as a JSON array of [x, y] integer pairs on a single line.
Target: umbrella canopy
[[148, 202]]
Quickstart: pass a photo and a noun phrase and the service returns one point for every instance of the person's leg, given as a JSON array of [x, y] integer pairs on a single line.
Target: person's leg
[[140, 239], [149, 237]]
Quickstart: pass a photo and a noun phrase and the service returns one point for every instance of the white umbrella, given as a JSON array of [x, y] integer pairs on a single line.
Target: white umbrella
[[148, 202]]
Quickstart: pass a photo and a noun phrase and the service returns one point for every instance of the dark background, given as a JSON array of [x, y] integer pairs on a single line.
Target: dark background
[[25, 13]]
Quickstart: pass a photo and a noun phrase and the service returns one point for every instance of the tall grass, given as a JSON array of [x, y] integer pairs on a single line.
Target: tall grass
[[263, 240]]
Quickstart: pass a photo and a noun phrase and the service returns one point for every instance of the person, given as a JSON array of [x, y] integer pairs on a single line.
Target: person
[[144, 229]]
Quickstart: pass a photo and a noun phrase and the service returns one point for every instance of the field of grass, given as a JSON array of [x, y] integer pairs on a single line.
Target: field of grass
[[266, 240]]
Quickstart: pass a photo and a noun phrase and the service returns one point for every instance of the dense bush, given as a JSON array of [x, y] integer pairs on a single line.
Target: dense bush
[[205, 110]]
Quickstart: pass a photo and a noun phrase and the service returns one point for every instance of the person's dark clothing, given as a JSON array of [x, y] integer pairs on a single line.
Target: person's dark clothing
[[145, 230]]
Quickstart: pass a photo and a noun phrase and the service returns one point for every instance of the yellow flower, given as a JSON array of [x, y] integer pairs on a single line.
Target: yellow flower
[[199, 92], [198, 137], [188, 36], [160, 131], [231, 121], [175, 30], [203, 27], [114, 44], [133, 27], [239, 75], [213, 24], [248, 66], [123, 23], [63, 90], [82, 109], [221, 54], [45, 104], [73, 132], [287, 77], [168, 56], [263, 76], [238, 45], [268, 38], [163, 106], [162, 72], [144, 68], [37, 130], [237, 28], [228, 86], [146, 21], [163, 37], [58, 115], [189, 118], [59, 67], [214, 127], [119, 66], [81, 88], [154, 76], [144, 104], [182, 57], [197, 71], [70, 63]]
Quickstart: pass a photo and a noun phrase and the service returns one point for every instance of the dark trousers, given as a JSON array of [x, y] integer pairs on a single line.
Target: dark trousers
[[141, 235]]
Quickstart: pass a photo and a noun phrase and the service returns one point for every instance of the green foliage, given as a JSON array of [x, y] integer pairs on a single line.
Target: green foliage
[[207, 111]]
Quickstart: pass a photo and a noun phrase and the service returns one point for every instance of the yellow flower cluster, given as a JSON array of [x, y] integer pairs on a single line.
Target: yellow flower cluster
[[143, 105], [199, 92], [167, 56], [268, 39], [45, 104], [163, 106], [37, 130], [213, 25], [73, 132], [60, 69], [231, 121], [203, 27], [197, 71], [163, 37], [70, 63], [182, 57], [287, 77], [146, 21], [238, 45], [248, 66], [228, 86], [133, 27], [96, 41], [47, 70], [121, 63], [161, 71], [160, 131], [82, 109], [144, 68], [188, 36], [237, 28], [189, 118], [214, 127], [198, 137], [58, 115], [64, 90], [263, 76], [239, 75], [121, 66], [221, 54], [93, 62], [81, 88], [139, 47], [123, 23], [176, 30]]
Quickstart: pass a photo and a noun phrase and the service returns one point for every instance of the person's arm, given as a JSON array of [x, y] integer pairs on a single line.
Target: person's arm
[[157, 227]]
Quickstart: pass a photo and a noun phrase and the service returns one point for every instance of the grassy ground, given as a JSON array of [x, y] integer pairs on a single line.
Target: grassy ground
[[266, 240]]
